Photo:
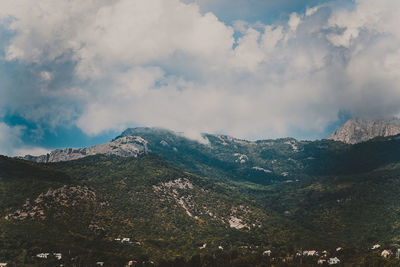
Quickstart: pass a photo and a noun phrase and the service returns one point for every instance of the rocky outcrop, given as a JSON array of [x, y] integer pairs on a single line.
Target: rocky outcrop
[[361, 130], [66, 197], [126, 146]]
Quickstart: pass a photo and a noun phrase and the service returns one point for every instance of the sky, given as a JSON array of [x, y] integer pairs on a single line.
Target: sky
[[76, 73]]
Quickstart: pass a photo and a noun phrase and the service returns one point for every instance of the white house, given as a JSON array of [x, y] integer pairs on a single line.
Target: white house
[[125, 239], [376, 246], [58, 256], [267, 253], [333, 261], [43, 255], [100, 263], [204, 246], [321, 261], [220, 247], [386, 253], [3, 264], [339, 248]]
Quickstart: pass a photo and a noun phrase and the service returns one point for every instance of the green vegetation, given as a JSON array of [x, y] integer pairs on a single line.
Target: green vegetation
[[139, 198], [239, 198]]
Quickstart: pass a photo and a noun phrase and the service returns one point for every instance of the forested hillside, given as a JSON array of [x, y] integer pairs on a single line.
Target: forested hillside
[[79, 208], [224, 202]]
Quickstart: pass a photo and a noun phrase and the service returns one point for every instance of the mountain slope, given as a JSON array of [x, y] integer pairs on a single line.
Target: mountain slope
[[361, 130], [268, 161], [282, 194], [129, 146], [338, 191], [83, 205], [344, 210], [262, 162]]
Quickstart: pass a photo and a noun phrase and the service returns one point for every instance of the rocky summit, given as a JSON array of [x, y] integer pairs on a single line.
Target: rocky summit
[[360, 130], [126, 146]]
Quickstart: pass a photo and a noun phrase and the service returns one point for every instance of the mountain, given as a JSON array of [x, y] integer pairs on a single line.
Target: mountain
[[230, 159], [360, 130], [177, 194], [84, 208], [267, 162], [263, 162], [129, 146]]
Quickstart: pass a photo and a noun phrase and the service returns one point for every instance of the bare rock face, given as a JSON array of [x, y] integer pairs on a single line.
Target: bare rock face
[[361, 130], [127, 146]]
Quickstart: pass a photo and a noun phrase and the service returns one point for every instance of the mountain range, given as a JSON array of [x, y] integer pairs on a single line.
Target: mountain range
[[178, 202]]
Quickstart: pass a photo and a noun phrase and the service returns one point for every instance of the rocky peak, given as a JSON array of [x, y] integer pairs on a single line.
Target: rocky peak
[[126, 146], [361, 130]]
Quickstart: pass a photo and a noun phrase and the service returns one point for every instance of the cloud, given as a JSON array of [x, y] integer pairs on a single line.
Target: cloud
[[266, 11], [33, 151], [105, 65], [9, 136], [312, 10], [12, 145], [45, 75], [294, 21]]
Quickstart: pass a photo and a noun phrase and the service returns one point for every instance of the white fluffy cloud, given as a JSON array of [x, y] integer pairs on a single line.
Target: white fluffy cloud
[[110, 64], [9, 136], [11, 144]]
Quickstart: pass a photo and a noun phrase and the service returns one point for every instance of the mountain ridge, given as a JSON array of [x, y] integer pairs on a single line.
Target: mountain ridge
[[225, 157], [282, 194], [359, 130], [128, 146]]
